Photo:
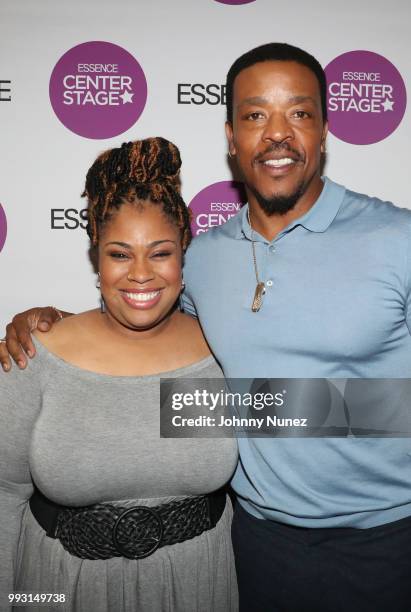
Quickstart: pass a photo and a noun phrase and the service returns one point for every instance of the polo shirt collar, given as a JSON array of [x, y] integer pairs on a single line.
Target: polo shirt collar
[[317, 219]]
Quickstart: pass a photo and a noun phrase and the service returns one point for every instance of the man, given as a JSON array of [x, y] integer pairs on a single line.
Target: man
[[309, 280]]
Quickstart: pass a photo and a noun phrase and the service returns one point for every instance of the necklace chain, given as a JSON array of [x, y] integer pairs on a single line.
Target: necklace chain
[[254, 256], [260, 288]]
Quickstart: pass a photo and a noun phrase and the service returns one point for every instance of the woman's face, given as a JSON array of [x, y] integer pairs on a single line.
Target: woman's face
[[140, 260]]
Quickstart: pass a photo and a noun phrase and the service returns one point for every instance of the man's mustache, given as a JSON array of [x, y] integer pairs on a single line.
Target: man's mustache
[[280, 147]]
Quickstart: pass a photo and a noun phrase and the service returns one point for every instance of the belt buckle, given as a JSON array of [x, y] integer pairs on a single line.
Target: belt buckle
[[138, 532]]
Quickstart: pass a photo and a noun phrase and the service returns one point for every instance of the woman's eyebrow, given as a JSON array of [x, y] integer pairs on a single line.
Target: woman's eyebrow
[[125, 245]]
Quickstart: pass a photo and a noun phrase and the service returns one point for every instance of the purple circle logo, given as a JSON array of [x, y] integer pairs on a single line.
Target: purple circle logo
[[235, 1], [216, 204], [366, 97], [3, 227], [98, 90]]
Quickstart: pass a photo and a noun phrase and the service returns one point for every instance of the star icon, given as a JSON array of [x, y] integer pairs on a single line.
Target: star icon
[[388, 105], [127, 97]]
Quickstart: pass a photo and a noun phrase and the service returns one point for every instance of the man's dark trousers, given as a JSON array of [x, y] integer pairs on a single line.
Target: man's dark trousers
[[282, 568]]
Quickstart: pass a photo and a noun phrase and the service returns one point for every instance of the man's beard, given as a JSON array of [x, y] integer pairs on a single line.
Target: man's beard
[[279, 204]]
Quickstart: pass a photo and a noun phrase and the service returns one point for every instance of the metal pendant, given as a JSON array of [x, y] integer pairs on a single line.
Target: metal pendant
[[258, 297]]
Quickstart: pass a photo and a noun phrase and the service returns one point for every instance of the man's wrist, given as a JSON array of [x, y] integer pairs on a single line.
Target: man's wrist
[[62, 314]]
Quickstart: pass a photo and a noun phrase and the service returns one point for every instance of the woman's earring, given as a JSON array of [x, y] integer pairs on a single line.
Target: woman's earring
[[183, 286], [102, 302]]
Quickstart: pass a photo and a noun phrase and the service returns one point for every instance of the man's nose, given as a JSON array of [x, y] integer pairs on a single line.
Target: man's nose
[[277, 129]]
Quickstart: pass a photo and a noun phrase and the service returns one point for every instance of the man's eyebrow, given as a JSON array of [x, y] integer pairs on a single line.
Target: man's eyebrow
[[125, 245], [257, 100], [300, 99], [261, 101]]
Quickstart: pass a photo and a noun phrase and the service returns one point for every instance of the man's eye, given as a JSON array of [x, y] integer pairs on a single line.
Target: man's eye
[[301, 114], [254, 116]]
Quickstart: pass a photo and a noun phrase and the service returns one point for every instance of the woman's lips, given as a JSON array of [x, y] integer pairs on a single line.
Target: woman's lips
[[141, 300]]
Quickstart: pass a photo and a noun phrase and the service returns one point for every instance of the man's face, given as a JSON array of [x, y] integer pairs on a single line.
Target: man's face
[[278, 134]]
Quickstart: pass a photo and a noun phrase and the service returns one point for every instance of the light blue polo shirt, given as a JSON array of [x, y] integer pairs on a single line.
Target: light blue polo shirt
[[337, 305]]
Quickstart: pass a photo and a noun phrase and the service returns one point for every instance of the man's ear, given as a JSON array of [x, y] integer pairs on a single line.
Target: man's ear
[[324, 137], [230, 139]]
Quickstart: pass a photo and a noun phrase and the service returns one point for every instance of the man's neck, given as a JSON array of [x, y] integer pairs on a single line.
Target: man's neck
[[269, 226]]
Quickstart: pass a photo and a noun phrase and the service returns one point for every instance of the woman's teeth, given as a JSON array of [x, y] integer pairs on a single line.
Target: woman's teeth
[[142, 297]]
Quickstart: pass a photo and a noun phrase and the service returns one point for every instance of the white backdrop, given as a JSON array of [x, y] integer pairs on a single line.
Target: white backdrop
[[43, 164]]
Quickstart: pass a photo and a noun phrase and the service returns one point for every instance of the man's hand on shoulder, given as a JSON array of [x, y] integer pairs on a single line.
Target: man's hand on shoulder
[[18, 343]]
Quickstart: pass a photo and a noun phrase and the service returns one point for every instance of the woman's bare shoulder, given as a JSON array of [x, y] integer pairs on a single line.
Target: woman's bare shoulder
[[68, 330], [192, 336]]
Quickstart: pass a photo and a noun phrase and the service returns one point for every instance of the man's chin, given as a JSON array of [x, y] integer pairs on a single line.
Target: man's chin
[[278, 203]]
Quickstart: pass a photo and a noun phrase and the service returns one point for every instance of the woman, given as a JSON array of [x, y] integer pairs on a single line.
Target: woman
[[79, 431]]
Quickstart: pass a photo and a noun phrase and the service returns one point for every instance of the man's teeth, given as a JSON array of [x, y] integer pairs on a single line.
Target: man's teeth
[[279, 162], [142, 297]]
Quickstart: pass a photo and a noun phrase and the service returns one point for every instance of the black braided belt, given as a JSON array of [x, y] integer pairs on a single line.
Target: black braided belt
[[104, 530]]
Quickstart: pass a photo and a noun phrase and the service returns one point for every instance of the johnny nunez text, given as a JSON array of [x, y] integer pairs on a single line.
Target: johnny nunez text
[[207, 421]]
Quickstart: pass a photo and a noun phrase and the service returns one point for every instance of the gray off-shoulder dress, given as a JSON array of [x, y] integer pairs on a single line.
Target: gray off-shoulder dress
[[86, 438]]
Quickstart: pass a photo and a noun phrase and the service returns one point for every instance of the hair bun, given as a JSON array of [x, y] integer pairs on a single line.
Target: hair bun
[[154, 159], [142, 170]]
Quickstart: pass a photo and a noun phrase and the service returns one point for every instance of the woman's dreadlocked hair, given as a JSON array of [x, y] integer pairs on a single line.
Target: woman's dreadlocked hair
[[142, 170]]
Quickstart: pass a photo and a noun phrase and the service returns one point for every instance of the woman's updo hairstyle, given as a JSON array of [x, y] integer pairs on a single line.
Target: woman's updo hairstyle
[[142, 170]]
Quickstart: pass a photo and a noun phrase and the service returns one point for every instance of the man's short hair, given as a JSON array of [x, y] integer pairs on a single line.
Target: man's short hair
[[275, 52]]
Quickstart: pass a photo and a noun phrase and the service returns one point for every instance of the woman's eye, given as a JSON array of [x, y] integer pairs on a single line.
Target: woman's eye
[[161, 254], [116, 255]]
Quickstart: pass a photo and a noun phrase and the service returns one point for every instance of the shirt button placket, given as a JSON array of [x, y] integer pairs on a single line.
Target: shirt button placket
[[271, 249]]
